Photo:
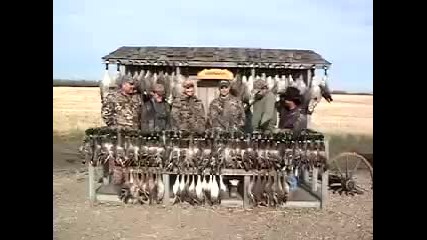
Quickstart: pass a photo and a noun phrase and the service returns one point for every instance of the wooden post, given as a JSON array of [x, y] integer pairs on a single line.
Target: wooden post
[[314, 179], [325, 178], [246, 180], [166, 181], [305, 175], [92, 185]]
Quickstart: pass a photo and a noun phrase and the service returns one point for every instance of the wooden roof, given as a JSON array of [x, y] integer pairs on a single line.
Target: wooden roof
[[217, 57]]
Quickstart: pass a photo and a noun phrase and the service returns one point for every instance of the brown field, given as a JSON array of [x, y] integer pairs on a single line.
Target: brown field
[[78, 108]]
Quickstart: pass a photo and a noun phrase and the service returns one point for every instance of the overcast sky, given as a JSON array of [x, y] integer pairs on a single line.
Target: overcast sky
[[339, 30]]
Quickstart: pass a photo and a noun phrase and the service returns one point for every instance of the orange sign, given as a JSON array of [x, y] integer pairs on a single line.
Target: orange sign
[[215, 74]]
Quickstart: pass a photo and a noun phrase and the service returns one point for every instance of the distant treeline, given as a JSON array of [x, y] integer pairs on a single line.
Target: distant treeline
[[92, 83]]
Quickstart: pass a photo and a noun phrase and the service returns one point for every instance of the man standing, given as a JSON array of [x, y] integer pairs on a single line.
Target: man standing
[[290, 109], [122, 108], [188, 112], [156, 111], [226, 112], [264, 111]]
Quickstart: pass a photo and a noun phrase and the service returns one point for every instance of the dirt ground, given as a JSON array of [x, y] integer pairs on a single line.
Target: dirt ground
[[73, 218]]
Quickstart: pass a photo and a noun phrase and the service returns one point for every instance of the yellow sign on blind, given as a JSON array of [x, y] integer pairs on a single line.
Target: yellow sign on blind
[[217, 74]]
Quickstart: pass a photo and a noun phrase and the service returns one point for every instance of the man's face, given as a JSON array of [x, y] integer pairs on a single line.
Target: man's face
[[259, 92], [128, 87], [158, 97], [224, 90], [289, 104], [189, 90]]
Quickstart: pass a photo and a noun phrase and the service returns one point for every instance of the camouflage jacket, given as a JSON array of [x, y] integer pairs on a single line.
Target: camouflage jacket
[[188, 113], [264, 113], [292, 119], [226, 113], [119, 110], [155, 116]]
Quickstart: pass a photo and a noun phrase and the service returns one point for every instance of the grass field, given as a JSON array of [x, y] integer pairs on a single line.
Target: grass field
[[348, 118]]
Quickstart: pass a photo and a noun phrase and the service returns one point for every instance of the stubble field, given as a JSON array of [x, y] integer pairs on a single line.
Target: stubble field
[[78, 108], [75, 109]]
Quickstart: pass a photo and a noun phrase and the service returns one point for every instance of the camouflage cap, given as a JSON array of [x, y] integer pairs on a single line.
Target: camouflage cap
[[260, 84], [224, 83], [187, 83], [159, 88], [127, 79]]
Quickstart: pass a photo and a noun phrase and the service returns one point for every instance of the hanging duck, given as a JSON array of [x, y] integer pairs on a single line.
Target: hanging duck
[[105, 84]]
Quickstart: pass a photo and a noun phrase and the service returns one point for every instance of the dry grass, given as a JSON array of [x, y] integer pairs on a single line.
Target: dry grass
[[76, 109]]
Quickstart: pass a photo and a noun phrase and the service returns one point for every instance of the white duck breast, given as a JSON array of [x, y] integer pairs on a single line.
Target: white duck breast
[[182, 183], [155, 77], [251, 80], [205, 186], [244, 80], [221, 184], [282, 84], [135, 75], [300, 84], [291, 80], [263, 76], [199, 188], [214, 188], [105, 84], [175, 187], [192, 185], [270, 82]]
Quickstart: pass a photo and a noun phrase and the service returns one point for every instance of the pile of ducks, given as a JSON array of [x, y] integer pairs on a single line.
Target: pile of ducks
[[268, 190], [142, 187], [198, 189]]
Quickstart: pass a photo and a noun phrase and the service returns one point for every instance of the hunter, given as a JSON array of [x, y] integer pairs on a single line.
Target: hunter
[[122, 108], [156, 111], [188, 112], [290, 111], [264, 110]]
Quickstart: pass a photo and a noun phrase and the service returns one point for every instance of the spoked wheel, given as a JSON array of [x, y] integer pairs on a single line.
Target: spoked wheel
[[350, 173]]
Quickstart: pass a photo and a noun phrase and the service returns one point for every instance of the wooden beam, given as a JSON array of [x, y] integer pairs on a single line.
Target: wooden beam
[[92, 184], [314, 176], [246, 181], [325, 178]]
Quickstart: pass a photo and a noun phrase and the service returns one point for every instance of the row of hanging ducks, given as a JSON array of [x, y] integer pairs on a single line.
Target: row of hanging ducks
[[173, 158], [198, 189], [173, 82], [142, 187]]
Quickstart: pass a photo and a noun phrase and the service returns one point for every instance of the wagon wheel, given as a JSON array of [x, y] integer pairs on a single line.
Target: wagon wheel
[[350, 173]]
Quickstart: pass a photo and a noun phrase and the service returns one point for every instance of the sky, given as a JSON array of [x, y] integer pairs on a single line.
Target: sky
[[340, 30]]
